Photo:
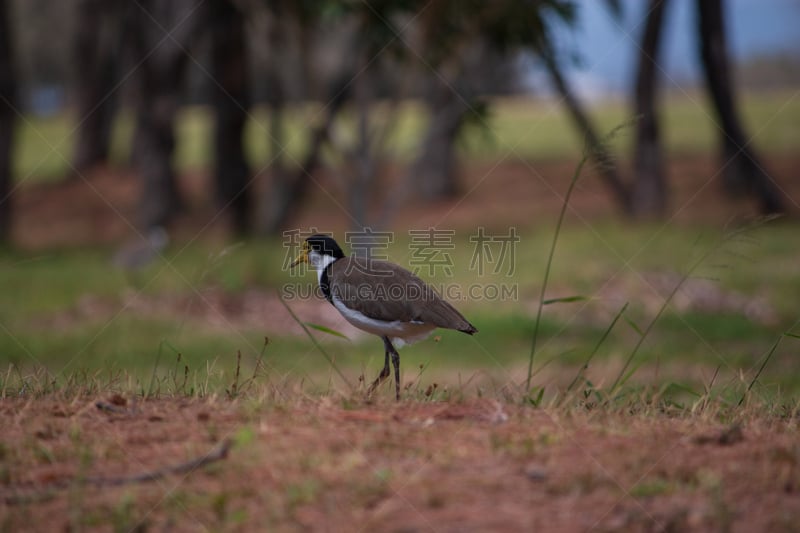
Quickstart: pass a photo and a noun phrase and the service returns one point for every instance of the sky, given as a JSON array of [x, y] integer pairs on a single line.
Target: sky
[[607, 48]]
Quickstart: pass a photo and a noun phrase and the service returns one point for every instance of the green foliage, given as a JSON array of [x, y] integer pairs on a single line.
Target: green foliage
[[327, 330]]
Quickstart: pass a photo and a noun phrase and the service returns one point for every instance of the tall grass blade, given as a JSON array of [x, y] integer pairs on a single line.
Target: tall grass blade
[[619, 380], [316, 343], [565, 300], [703, 402], [538, 320], [600, 342], [634, 326], [588, 152], [327, 330], [761, 368], [733, 234], [155, 369]]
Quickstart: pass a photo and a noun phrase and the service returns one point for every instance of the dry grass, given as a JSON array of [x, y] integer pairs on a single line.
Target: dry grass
[[342, 462]]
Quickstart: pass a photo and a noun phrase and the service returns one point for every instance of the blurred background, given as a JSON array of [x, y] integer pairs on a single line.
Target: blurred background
[[157, 156]]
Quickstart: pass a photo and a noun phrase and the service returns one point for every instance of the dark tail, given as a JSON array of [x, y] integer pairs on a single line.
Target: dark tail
[[470, 329]]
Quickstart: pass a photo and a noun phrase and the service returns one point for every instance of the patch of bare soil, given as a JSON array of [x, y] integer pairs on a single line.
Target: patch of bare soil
[[102, 207], [213, 308], [335, 465], [649, 289]]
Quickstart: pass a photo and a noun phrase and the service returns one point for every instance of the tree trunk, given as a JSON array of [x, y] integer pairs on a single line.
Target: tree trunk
[[742, 172], [229, 70], [163, 61], [96, 55], [288, 192], [7, 119], [435, 173], [363, 158], [649, 188], [604, 161]]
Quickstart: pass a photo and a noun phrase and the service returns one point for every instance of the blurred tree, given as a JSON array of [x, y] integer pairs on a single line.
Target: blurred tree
[[448, 37], [356, 58], [462, 43], [375, 47], [361, 172], [273, 214], [598, 151], [42, 41], [289, 188], [460, 51], [163, 33], [285, 23], [229, 67], [99, 34], [447, 52], [528, 26], [742, 171], [434, 170], [649, 185], [7, 118]]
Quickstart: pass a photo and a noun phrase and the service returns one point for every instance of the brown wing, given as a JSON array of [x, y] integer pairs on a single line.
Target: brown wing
[[385, 291]]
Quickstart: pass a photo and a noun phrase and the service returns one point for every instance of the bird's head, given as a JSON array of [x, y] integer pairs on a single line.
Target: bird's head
[[319, 251]]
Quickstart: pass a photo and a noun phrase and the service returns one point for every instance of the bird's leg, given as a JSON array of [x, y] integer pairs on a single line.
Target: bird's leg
[[396, 363], [386, 372], [390, 350]]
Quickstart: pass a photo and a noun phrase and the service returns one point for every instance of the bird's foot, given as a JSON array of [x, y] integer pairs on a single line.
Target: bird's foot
[[380, 379]]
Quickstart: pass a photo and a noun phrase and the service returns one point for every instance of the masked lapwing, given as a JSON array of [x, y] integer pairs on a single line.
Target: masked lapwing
[[380, 298]]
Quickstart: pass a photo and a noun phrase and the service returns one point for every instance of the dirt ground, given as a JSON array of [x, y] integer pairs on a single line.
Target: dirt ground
[[346, 465]]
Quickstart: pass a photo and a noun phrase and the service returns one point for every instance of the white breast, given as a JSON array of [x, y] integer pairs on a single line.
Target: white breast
[[399, 332]]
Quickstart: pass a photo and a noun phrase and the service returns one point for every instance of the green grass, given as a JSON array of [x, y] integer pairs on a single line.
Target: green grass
[[518, 127], [47, 318]]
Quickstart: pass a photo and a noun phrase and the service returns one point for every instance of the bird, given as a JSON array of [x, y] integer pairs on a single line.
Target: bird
[[381, 298]]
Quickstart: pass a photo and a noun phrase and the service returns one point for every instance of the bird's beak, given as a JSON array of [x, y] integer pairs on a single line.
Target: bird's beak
[[302, 258]]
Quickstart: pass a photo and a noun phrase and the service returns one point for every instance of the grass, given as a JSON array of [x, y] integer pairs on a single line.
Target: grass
[[72, 311], [526, 128]]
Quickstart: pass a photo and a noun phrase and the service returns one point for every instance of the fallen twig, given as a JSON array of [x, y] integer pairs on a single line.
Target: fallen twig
[[111, 408], [727, 437], [218, 453]]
